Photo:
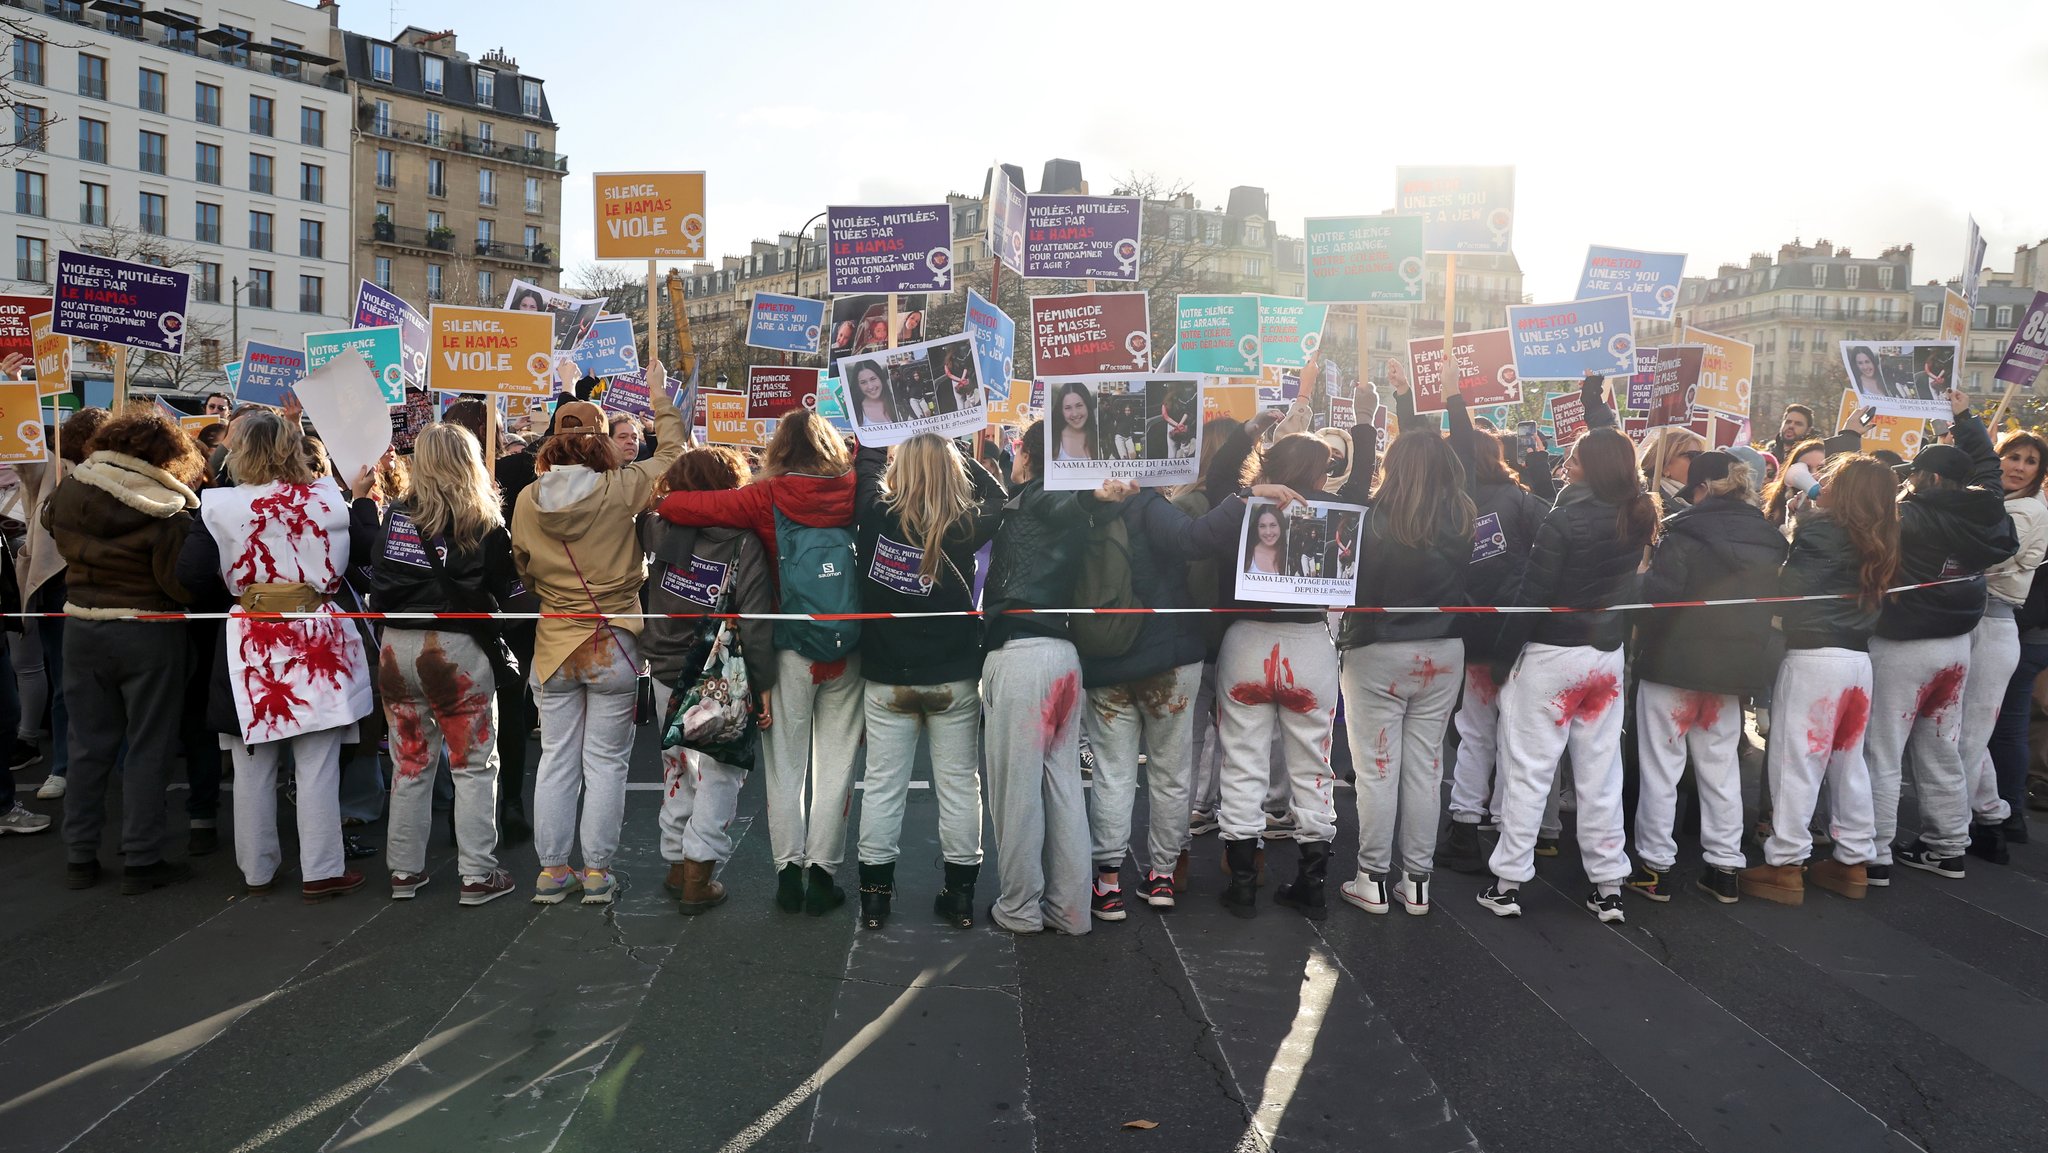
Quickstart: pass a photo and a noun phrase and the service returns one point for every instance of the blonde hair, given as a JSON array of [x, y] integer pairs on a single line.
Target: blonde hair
[[926, 487], [1677, 441], [1740, 482], [452, 496], [265, 448]]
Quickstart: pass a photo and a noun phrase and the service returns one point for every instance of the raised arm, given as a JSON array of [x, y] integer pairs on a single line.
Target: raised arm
[[671, 434], [1593, 391]]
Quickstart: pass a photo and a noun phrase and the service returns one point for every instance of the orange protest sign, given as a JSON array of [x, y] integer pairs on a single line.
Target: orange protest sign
[[1013, 409], [1897, 433], [1955, 315], [494, 351], [649, 215], [726, 421], [1236, 401], [21, 423], [1725, 371], [53, 357]]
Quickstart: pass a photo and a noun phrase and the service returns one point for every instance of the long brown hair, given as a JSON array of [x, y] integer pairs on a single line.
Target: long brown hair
[[1489, 463], [1777, 493], [1861, 494], [2021, 438], [1607, 461], [706, 468], [1422, 492], [805, 443], [1299, 460]]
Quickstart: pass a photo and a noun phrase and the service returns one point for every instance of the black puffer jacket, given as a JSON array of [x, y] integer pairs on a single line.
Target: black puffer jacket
[[926, 650], [1496, 568], [1159, 578], [1719, 549], [1391, 573], [1823, 561], [1578, 560], [1036, 557], [1950, 532]]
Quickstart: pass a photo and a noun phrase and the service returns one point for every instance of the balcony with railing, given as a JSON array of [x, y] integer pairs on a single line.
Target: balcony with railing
[[454, 141], [443, 240], [487, 198]]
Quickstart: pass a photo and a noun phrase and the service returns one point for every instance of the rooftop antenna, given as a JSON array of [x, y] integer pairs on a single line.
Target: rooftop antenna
[[392, 31]]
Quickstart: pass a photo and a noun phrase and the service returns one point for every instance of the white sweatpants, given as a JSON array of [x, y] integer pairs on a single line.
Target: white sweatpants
[[1916, 702], [1397, 702], [1156, 713], [1476, 787], [586, 712], [1558, 698], [316, 767], [1276, 675], [818, 719], [1994, 654], [1819, 713], [1671, 722], [701, 798], [950, 714], [1031, 689]]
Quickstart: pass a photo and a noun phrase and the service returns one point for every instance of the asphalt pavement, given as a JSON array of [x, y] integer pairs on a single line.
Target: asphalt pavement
[[196, 1018]]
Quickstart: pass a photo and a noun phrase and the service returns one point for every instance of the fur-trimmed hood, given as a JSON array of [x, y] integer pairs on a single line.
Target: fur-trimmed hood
[[136, 483]]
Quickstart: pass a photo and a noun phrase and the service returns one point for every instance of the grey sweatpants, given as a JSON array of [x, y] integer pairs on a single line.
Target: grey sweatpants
[[818, 719], [1154, 711], [1397, 701], [125, 682], [950, 715], [1031, 692], [1916, 702], [586, 740], [1277, 675], [440, 693], [1994, 655]]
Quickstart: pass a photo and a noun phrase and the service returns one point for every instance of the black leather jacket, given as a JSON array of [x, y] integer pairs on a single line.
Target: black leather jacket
[[1823, 561], [1579, 560], [1950, 532], [1036, 557], [1391, 573], [1719, 549], [477, 580]]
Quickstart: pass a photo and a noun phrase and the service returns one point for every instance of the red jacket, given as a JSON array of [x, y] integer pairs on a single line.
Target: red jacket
[[817, 501]]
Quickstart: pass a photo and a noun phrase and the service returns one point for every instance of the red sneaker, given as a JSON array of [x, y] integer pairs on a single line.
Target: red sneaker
[[330, 887], [484, 890], [404, 885]]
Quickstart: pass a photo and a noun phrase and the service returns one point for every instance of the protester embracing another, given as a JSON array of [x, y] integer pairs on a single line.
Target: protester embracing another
[[800, 505], [577, 547], [120, 520], [443, 548], [281, 540]]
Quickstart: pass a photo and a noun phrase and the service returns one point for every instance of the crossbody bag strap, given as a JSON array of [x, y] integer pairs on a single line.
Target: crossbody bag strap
[[603, 621]]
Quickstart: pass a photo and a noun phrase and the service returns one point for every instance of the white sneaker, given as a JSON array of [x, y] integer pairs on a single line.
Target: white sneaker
[[1368, 891], [20, 820], [53, 787], [1763, 722], [1280, 826], [1413, 893]]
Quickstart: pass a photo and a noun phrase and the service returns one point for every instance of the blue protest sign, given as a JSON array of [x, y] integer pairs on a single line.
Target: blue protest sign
[[786, 323], [608, 348], [1463, 209], [268, 373], [1648, 279], [995, 340], [1567, 341]]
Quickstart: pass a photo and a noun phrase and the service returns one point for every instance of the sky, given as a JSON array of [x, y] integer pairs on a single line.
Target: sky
[[1715, 130]]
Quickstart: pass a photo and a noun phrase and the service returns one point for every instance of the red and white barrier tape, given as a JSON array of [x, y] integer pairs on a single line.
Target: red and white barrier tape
[[1477, 609]]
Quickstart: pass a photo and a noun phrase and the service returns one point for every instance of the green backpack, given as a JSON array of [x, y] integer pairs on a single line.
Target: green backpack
[[1104, 582]]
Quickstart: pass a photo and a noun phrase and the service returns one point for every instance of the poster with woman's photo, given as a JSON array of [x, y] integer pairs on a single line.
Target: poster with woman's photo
[[912, 388], [1306, 554], [860, 324], [573, 316], [1143, 429], [1902, 378]]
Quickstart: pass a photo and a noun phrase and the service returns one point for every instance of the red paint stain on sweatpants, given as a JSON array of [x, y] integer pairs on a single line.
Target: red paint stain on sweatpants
[[1279, 688], [1058, 710], [1836, 725], [1696, 710], [1586, 698], [1941, 692]]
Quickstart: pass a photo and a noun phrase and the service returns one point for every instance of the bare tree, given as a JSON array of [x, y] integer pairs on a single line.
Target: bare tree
[[16, 30]]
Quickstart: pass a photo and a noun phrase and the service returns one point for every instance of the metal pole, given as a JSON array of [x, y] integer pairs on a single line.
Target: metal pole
[[235, 311]]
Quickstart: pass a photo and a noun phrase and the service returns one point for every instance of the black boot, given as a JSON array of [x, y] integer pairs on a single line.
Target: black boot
[[822, 896], [955, 904], [2016, 828], [1305, 892], [1241, 895], [877, 886], [1988, 842], [789, 888], [513, 826], [1460, 851]]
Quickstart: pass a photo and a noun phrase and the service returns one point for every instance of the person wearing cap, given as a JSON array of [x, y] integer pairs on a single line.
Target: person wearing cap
[[577, 547], [1696, 664], [1992, 690], [1952, 526]]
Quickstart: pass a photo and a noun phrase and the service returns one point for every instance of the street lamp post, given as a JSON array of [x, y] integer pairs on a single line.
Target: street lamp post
[[796, 287]]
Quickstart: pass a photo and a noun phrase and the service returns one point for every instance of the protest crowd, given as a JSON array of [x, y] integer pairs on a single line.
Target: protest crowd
[[1227, 716], [1114, 582]]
